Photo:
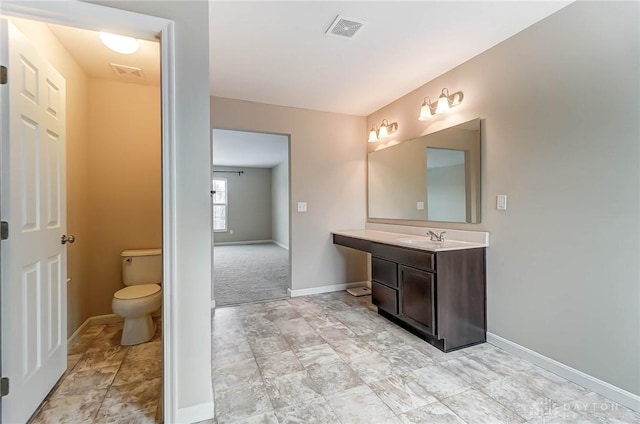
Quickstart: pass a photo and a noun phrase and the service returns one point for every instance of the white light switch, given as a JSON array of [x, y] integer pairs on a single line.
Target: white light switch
[[302, 206], [501, 202], [420, 206]]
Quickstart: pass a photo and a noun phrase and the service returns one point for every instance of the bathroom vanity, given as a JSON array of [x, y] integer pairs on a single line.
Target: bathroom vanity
[[436, 290]]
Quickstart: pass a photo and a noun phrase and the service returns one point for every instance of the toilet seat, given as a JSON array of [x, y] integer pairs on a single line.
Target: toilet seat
[[137, 291]]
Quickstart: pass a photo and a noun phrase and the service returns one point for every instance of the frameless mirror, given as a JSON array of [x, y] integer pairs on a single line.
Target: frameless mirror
[[435, 177]]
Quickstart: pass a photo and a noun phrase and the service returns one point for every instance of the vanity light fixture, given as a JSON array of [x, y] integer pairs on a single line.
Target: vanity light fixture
[[385, 130], [425, 110], [120, 43], [373, 135], [444, 103]]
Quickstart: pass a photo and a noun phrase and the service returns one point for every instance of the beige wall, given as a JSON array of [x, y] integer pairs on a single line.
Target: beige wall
[[249, 204], [560, 137], [327, 156], [125, 181], [78, 188]]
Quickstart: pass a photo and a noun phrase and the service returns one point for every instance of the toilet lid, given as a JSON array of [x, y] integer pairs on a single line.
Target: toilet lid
[[138, 291]]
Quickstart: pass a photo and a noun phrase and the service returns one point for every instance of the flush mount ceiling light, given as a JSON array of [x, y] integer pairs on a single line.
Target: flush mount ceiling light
[[383, 131], [444, 103], [120, 43]]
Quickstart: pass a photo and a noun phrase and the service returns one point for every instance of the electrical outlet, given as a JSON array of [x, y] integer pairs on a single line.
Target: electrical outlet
[[420, 206], [501, 202], [230, 231], [302, 206]]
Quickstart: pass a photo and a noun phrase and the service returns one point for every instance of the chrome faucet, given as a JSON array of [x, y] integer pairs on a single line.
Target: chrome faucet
[[436, 237]]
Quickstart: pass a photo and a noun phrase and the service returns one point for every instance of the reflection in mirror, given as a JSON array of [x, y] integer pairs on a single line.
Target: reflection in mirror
[[446, 192], [435, 177]]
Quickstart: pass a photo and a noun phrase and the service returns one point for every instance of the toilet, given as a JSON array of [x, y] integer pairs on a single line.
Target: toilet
[[142, 274]]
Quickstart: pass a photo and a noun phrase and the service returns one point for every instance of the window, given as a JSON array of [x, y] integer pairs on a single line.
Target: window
[[219, 204]]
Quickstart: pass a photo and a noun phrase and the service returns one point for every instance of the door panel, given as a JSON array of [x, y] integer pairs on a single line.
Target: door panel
[[31, 289], [29, 145], [54, 303], [34, 261], [418, 297], [53, 180]]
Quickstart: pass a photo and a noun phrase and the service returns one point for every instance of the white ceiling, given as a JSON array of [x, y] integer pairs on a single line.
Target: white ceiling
[[249, 149], [277, 53]]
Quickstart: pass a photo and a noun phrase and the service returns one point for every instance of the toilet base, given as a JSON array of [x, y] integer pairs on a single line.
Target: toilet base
[[137, 330]]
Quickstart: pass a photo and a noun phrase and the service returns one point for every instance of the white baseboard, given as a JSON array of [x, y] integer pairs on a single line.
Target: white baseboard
[[77, 333], [105, 319], [230, 243], [96, 320], [325, 289], [280, 244], [610, 391], [195, 413]]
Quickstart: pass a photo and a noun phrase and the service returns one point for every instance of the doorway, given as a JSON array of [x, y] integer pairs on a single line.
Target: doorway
[[250, 203], [100, 117]]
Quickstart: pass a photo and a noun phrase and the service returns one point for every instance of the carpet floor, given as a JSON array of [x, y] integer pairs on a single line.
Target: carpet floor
[[245, 273]]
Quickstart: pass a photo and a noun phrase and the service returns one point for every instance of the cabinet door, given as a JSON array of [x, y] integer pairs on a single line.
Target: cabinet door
[[417, 297]]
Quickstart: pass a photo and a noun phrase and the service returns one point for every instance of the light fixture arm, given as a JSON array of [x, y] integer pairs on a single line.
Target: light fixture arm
[[454, 99], [445, 102]]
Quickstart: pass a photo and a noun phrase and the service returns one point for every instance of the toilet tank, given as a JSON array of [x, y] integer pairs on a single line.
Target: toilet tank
[[142, 266]]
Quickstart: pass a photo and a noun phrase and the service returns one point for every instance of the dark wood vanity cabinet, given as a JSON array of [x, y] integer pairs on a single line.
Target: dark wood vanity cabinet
[[439, 296]]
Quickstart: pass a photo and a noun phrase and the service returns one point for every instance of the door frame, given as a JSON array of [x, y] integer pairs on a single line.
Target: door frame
[[94, 17], [289, 205]]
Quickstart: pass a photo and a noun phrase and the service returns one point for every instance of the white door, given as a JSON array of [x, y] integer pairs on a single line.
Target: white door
[[34, 292]]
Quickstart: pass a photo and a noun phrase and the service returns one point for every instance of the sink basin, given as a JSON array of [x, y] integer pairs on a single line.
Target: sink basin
[[425, 243], [418, 241]]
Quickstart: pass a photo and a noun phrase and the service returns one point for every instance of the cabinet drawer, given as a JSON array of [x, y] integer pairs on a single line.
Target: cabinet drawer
[[385, 272], [414, 258], [384, 298], [354, 243]]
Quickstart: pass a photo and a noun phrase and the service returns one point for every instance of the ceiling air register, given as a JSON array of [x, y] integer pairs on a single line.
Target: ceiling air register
[[344, 27]]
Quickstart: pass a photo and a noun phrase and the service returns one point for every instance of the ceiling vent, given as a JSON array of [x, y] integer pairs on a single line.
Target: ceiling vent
[[345, 27], [127, 71]]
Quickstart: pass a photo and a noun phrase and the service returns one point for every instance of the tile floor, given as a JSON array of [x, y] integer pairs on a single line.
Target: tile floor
[[106, 382], [322, 359], [331, 359]]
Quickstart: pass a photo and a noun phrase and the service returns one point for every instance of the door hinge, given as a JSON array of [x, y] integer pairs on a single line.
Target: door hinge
[[3, 75], [4, 386], [4, 230]]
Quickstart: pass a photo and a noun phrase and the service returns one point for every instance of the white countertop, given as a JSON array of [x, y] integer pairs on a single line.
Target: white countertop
[[412, 241]]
